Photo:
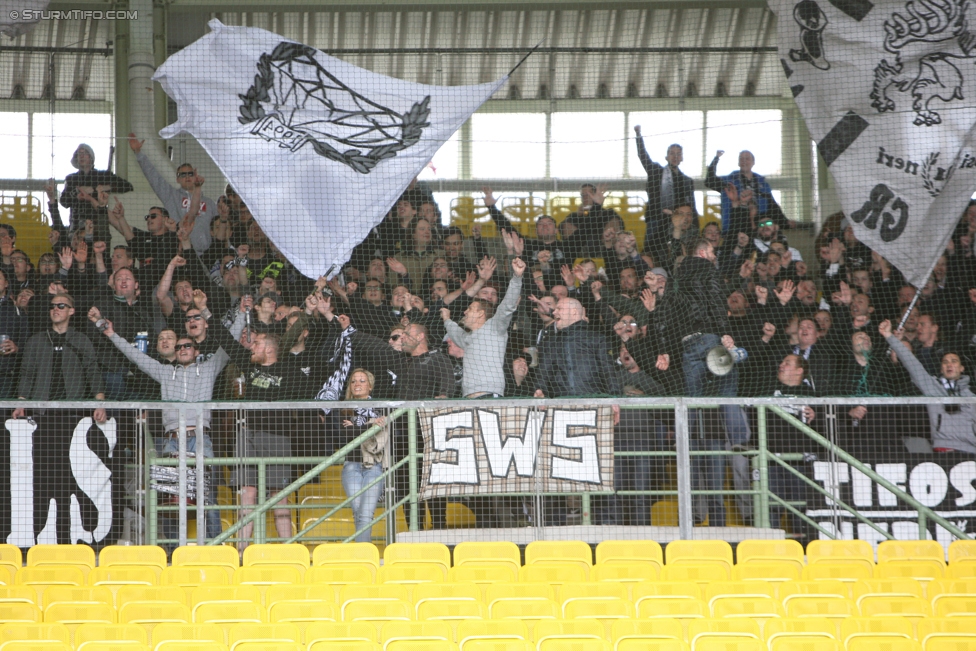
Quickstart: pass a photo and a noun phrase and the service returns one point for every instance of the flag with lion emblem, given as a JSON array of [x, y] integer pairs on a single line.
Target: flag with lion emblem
[[888, 92], [318, 148]]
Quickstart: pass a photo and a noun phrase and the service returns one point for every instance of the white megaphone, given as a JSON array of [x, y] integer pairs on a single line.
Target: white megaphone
[[720, 359]]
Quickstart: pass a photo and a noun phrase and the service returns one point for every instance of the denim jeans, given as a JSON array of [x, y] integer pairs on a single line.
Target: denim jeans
[[709, 472], [354, 477], [169, 446]]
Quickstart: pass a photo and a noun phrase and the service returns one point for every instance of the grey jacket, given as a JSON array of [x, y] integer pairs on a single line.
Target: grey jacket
[[79, 368], [484, 349], [176, 200], [949, 430]]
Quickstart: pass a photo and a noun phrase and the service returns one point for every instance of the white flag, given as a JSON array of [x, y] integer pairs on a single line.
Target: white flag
[[888, 91], [319, 149]]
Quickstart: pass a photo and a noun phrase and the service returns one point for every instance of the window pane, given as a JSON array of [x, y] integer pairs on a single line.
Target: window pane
[[69, 130], [508, 145], [664, 128], [758, 131], [444, 165], [13, 144], [587, 145]]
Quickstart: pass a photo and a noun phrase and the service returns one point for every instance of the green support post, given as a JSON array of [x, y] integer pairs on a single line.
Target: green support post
[[762, 515], [260, 535], [412, 466]]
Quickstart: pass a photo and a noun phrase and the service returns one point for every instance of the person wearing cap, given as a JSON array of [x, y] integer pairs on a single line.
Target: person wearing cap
[[740, 180], [82, 189], [264, 311], [667, 188]]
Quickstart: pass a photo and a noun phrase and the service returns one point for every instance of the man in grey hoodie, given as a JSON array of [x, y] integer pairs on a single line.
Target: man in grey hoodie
[[186, 380], [952, 425], [176, 200]]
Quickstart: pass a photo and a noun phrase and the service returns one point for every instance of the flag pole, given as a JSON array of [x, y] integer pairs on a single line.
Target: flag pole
[[527, 55]]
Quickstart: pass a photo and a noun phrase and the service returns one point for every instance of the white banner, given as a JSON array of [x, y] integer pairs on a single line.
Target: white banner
[[319, 149], [887, 90]]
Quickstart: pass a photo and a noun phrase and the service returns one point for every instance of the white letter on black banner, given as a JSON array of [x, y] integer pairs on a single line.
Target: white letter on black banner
[[465, 470], [522, 451], [93, 478], [588, 468], [21, 482]]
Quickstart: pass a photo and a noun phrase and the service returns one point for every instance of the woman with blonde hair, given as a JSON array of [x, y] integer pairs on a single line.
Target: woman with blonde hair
[[365, 464]]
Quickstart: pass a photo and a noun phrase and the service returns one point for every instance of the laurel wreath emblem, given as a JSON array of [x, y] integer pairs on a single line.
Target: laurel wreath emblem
[[251, 110], [927, 166]]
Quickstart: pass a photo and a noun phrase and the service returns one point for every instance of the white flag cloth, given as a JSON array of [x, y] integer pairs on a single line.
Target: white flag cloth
[[319, 149], [887, 89]]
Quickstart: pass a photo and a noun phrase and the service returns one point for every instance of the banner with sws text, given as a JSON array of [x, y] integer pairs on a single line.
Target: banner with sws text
[[886, 89], [481, 451], [61, 482]]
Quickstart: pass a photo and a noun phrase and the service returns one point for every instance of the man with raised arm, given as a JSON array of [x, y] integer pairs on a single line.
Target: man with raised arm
[[177, 199], [667, 187], [484, 346], [742, 179]]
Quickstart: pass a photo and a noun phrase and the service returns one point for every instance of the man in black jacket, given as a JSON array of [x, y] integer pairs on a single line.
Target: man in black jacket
[[698, 315], [667, 187]]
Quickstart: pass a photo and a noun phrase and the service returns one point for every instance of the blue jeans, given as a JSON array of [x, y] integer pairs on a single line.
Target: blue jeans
[[354, 477], [167, 446], [708, 473]]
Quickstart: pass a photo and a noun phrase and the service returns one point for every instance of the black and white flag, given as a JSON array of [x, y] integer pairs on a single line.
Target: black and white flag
[[318, 148], [888, 91]]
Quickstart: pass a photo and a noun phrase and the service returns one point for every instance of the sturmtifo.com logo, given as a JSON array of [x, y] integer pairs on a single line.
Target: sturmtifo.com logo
[[294, 101]]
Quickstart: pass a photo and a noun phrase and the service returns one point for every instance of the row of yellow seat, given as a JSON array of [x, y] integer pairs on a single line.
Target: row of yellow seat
[[624, 635]]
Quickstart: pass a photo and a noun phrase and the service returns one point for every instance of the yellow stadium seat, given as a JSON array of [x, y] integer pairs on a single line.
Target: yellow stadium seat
[[766, 551], [412, 573], [751, 607], [18, 594], [173, 636], [674, 607], [342, 631], [966, 570], [857, 552], [803, 644], [727, 643], [262, 633], [504, 591], [630, 553], [528, 611], [634, 631], [142, 555], [949, 643], [726, 589], [207, 556], [474, 632], [81, 556], [956, 606], [945, 626], [267, 645], [701, 573], [339, 575], [372, 593], [347, 554], [11, 560], [72, 615], [263, 576], [44, 576], [488, 553], [418, 645], [36, 646], [569, 552], [665, 589], [343, 645], [856, 627], [788, 628], [298, 593], [292, 554], [34, 632], [711, 627], [77, 595], [919, 570], [190, 577], [103, 633], [570, 592], [151, 615], [773, 571], [222, 613], [960, 551], [806, 589], [699, 551], [450, 610], [224, 594], [116, 576], [911, 550], [430, 553], [303, 613], [882, 643], [155, 594], [886, 606], [621, 573], [950, 587], [890, 587], [19, 612], [429, 631], [830, 607], [570, 644], [378, 611], [847, 571], [650, 645], [477, 573], [569, 628], [125, 645], [604, 611], [553, 573]]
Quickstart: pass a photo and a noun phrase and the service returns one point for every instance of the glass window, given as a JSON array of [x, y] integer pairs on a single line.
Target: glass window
[[13, 144], [662, 129], [444, 165], [69, 130], [758, 131], [587, 145], [508, 145]]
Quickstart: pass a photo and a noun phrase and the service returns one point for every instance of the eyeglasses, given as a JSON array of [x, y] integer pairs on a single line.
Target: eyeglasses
[[18, 259], [60, 306], [185, 346], [395, 337], [183, 175], [152, 216], [628, 323], [768, 223], [194, 317]]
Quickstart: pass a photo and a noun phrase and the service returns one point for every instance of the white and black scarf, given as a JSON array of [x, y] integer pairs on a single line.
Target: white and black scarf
[[342, 360]]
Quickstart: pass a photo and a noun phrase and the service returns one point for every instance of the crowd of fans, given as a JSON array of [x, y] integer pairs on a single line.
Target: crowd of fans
[[200, 304]]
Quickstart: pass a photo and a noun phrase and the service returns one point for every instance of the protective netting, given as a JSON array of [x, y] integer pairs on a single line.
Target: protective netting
[[343, 224]]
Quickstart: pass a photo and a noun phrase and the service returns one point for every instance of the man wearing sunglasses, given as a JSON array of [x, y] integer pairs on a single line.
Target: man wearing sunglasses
[[153, 247], [176, 199], [187, 379]]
